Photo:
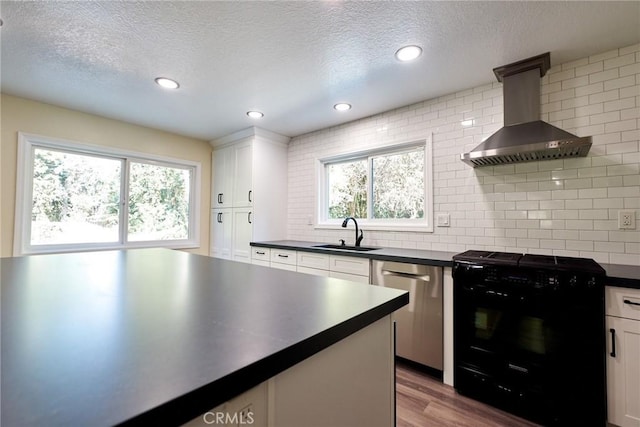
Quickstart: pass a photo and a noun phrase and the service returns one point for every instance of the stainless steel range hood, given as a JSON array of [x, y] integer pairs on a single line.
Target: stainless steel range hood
[[525, 137]]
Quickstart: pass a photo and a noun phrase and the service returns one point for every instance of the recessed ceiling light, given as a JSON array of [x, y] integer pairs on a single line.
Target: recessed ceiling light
[[343, 106], [255, 114], [167, 83], [408, 53]]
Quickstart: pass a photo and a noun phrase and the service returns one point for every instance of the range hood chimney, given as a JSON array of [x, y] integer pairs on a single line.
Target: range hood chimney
[[525, 137]]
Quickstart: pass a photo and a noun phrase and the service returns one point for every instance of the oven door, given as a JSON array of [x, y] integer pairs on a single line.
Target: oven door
[[525, 346]]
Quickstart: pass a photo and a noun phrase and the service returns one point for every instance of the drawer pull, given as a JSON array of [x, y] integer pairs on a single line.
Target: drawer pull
[[283, 256], [260, 253], [613, 342], [630, 302]]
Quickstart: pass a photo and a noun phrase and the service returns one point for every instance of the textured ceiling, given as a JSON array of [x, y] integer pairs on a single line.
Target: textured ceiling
[[291, 60]]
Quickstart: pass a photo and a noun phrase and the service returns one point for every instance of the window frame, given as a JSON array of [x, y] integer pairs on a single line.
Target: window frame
[[28, 143], [322, 221]]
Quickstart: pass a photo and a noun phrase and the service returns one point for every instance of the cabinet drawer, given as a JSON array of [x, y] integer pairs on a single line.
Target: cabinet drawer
[[622, 302], [281, 266], [314, 271], [283, 256], [262, 254], [350, 265], [306, 259], [352, 277]]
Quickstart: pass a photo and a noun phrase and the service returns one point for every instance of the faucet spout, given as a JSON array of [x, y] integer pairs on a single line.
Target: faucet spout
[[359, 236]]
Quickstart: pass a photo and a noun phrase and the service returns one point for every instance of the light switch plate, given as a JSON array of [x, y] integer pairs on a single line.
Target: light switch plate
[[627, 220], [442, 220]]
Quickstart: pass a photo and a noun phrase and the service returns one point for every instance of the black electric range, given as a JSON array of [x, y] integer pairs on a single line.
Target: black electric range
[[529, 335]]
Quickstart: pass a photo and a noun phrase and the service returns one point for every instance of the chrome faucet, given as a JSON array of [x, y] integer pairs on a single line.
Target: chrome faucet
[[358, 237]]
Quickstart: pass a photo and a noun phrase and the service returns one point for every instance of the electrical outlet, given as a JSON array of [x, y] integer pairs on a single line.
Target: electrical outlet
[[627, 220], [442, 220]]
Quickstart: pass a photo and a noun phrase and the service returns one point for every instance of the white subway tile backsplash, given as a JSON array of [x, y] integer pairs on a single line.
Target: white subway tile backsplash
[[563, 207], [592, 68], [622, 82]]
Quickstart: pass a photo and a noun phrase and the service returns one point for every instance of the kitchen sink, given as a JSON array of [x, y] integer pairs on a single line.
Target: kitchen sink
[[347, 248]]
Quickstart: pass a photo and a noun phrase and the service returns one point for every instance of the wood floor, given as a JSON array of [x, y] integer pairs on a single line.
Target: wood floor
[[422, 401]]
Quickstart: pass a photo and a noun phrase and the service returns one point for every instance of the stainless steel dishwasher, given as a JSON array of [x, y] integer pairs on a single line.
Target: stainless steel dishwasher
[[418, 324]]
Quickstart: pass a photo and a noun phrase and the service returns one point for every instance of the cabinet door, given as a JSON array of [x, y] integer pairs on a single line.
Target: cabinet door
[[242, 231], [221, 229], [223, 171], [314, 271], [242, 190], [623, 371], [348, 276], [349, 265]]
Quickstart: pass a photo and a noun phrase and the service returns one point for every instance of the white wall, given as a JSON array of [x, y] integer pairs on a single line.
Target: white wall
[[25, 115], [563, 207]]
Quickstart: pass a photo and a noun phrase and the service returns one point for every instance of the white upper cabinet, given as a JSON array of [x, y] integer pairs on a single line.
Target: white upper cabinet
[[223, 163], [242, 182], [250, 178]]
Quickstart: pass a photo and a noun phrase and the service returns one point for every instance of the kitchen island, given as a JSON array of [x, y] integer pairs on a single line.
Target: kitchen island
[[160, 337]]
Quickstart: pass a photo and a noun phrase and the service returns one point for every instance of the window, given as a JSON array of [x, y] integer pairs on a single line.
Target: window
[[73, 197], [386, 188]]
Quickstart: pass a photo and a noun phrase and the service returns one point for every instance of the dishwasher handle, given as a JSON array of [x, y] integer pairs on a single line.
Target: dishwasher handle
[[424, 278]]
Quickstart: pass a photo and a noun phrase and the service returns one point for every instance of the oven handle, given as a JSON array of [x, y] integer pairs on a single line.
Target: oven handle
[[613, 342], [497, 294], [626, 301]]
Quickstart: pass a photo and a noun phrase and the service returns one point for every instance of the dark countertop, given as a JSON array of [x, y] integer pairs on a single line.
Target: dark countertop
[[414, 256], [617, 275], [159, 337], [625, 276]]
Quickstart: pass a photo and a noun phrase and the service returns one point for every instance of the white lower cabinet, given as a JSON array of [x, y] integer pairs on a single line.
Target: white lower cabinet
[[242, 230], [231, 234], [350, 268], [314, 271], [623, 356], [283, 259], [221, 233], [261, 256], [348, 276], [312, 263], [350, 383], [312, 260], [354, 269]]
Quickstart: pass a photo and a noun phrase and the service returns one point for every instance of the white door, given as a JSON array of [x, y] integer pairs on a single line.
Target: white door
[[243, 191], [623, 371], [221, 233], [223, 171], [242, 232]]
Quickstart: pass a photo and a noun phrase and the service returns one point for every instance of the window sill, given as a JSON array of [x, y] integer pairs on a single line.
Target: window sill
[[377, 227], [58, 249]]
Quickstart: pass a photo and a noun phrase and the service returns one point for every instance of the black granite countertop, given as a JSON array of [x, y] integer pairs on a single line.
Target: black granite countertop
[[158, 337], [617, 275], [414, 256]]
